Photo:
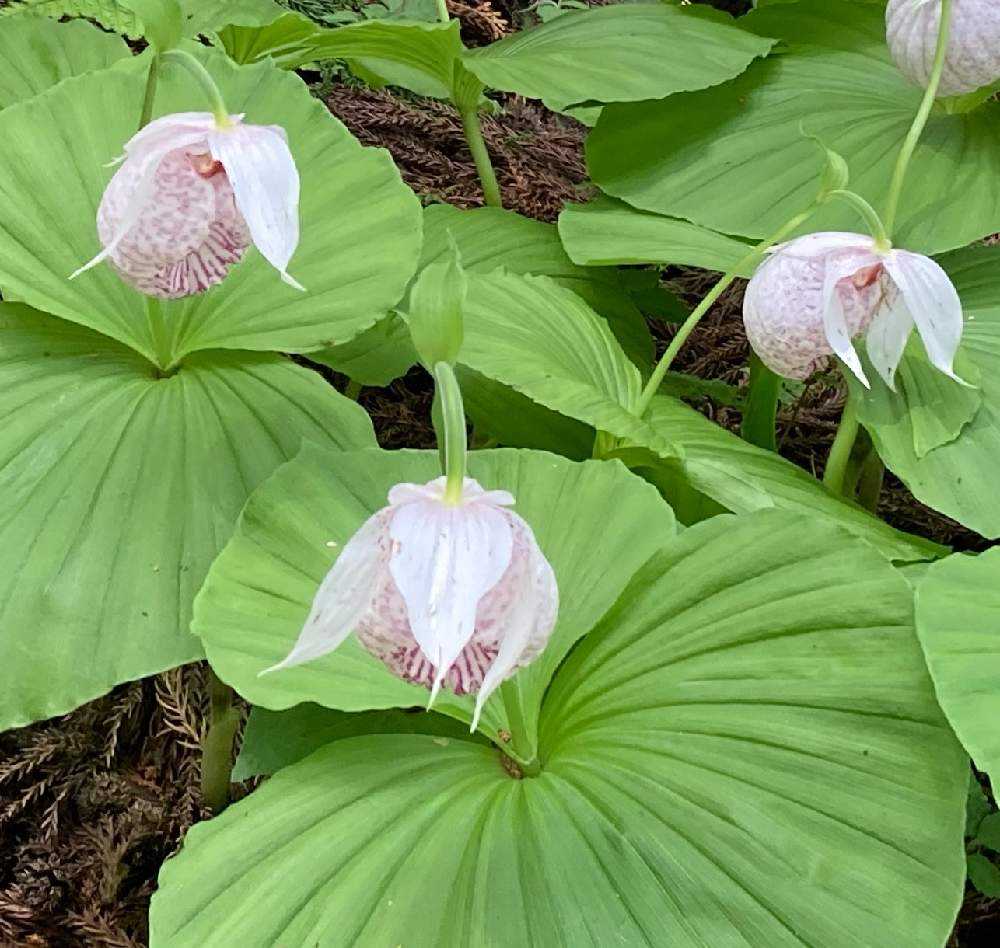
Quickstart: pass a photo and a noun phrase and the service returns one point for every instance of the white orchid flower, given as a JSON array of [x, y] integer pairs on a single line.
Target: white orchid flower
[[972, 59], [815, 294], [190, 197], [444, 594]]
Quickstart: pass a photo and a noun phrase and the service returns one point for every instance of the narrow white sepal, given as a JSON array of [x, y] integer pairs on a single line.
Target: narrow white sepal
[[887, 337], [933, 303], [835, 326], [445, 559], [343, 598]]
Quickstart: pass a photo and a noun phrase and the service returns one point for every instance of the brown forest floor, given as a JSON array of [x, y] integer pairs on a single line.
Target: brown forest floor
[[92, 803]]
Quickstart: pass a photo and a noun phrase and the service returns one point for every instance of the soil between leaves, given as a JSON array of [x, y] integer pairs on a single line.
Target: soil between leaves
[[92, 803]]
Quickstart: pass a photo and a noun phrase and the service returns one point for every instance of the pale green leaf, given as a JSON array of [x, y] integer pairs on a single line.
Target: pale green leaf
[[607, 232], [375, 357], [360, 223], [737, 158], [286, 41], [258, 594], [984, 875], [120, 487], [36, 53], [958, 621], [618, 53], [747, 751], [109, 13]]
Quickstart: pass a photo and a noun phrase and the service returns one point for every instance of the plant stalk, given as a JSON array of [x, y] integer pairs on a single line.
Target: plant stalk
[[869, 215], [839, 459], [919, 121], [217, 745], [762, 406], [152, 82], [204, 78], [521, 750], [455, 435], [481, 156], [442, 11], [689, 324]]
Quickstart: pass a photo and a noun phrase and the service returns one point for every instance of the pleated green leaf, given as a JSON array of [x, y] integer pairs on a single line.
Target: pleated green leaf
[[36, 53], [119, 488], [746, 751], [360, 223], [940, 438], [618, 53], [958, 621], [259, 591], [738, 158]]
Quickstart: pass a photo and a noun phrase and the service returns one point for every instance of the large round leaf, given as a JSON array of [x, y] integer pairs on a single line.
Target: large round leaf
[[36, 53], [618, 53], [541, 340], [360, 223], [940, 438], [258, 592], [735, 158], [746, 751], [119, 489], [958, 621]]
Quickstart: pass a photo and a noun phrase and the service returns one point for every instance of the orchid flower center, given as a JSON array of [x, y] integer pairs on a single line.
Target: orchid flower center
[[205, 165]]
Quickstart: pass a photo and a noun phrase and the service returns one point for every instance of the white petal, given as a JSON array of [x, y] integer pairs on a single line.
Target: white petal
[[934, 304], [445, 558], [888, 335], [529, 624], [824, 242], [344, 595], [838, 333], [266, 183], [169, 132]]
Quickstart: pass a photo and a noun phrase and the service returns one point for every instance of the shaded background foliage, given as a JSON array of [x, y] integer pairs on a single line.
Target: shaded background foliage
[[92, 803]]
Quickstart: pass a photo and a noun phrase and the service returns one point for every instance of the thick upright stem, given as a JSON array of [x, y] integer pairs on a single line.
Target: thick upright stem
[[481, 156], [217, 745], [762, 406], [919, 121], [442, 11], [839, 459], [521, 748], [688, 326], [455, 434]]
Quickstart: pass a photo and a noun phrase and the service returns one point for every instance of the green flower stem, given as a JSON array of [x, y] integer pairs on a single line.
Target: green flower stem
[[455, 436], [442, 8], [484, 167], [869, 215], [870, 481], [217, 745], [520, 749], [919, 121], [762, 406], [353, 390], [839, 459], [152, 81], [660, 372], [204, 78]]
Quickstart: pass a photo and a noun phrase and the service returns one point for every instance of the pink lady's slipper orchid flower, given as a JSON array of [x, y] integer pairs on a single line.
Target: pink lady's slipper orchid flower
[[972, 59], [190, 197], [813, 295], [453, 594]]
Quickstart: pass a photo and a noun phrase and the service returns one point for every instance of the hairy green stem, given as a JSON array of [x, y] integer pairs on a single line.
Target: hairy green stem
[[869, 215], [455, 435], [152, 81], [353, 390], [919, 121], [204, 78], [520, 749], [442, 9], [217, 745], [689, 324], [481, 156], [839, 459], [870, 481]]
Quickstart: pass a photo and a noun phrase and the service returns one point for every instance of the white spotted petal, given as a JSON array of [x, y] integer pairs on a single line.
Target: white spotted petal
[[972, 59]]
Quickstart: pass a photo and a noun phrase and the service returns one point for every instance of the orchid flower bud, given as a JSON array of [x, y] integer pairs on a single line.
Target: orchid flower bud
[[444, 594], [972, 59], [191, 196], [815, 294]]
